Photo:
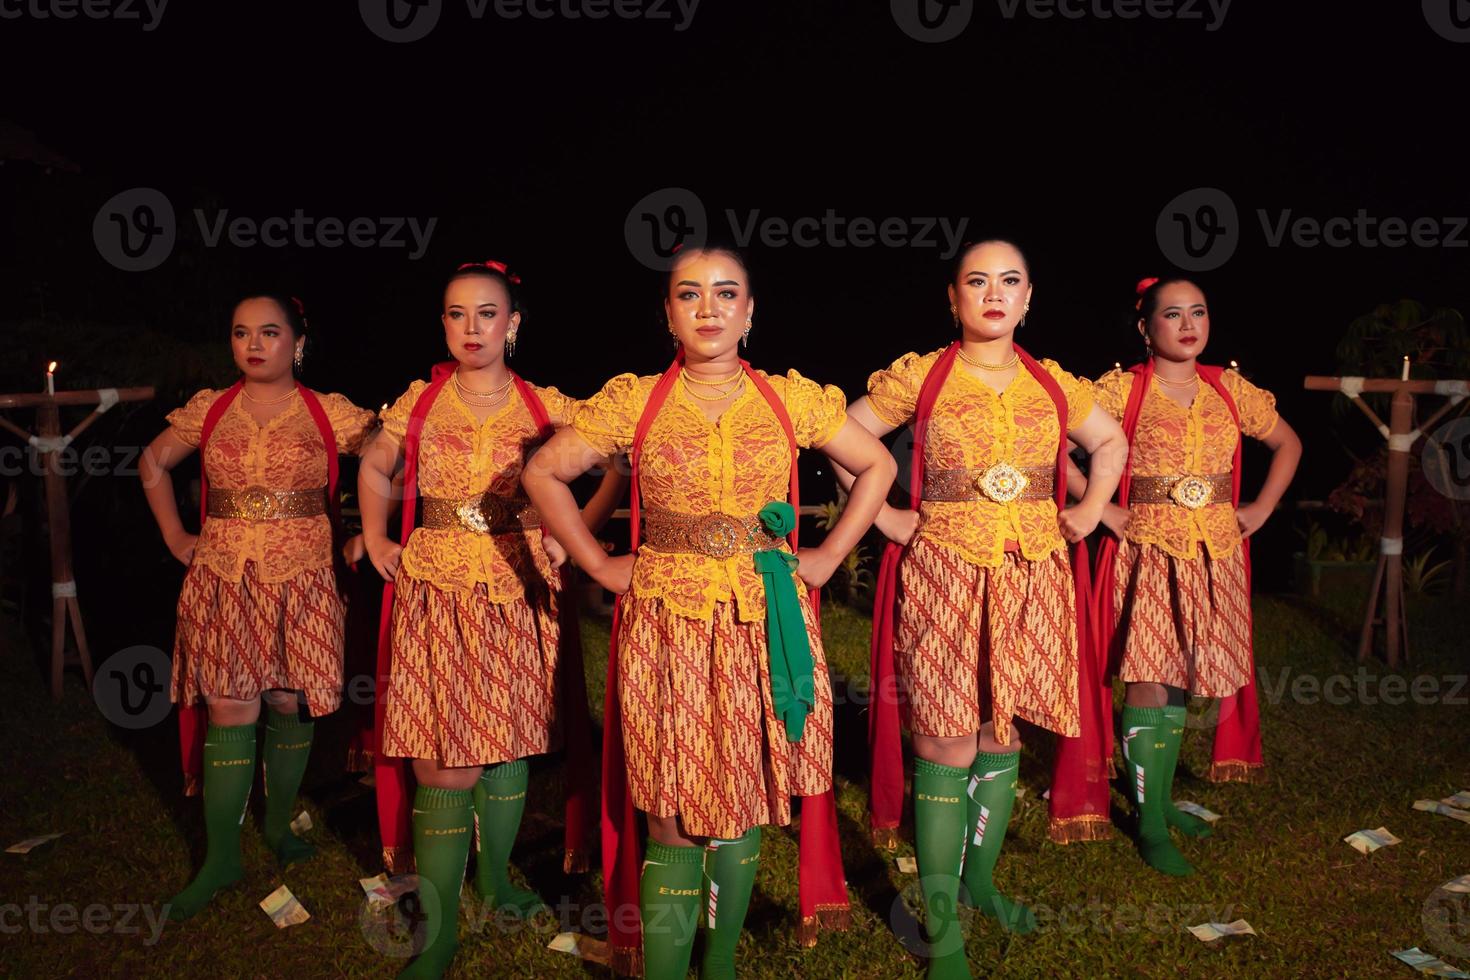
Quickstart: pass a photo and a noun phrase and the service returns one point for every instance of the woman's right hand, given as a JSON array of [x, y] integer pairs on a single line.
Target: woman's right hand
[[615, 574], [1116, 519], [384, 553], [182, 546], [897, 525]]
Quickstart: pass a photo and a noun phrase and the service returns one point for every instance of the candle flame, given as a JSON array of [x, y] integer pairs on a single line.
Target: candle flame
[[51, 368]]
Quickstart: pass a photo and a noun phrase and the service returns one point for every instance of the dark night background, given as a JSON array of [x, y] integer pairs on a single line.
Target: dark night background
[[530, 141]]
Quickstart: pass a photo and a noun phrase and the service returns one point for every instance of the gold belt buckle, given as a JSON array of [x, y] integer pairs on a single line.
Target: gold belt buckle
[[256, 503], [1192, 492], [719, 535], [1002, 483], [476, 514]]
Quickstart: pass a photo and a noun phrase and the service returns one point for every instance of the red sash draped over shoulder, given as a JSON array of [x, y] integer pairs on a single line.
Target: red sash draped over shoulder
[[823, 889]]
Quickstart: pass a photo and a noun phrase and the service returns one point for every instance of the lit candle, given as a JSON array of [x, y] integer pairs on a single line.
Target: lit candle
[[1234, 366], [1405, 376], [51, 378]]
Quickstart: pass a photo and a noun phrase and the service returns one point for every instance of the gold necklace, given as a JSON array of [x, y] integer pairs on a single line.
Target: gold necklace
[[1176, 384], [715, 398], [481, 394], [989, 367], [274, 401], [712, 384]]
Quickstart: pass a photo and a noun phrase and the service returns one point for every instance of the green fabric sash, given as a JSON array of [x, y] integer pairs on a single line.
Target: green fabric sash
[[793, 689]]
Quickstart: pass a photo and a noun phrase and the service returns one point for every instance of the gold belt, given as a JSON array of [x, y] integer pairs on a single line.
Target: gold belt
[[260, 504], [716, 535], [1189, 491], [485, 513], [1000, 482]]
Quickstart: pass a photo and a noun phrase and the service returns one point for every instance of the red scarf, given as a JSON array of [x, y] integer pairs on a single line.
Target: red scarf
[[1079, 788], [823, 890], [393, 776], [194, 718], [1237, 751]]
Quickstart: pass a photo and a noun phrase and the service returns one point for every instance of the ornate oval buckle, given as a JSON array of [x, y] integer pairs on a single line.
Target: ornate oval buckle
[[477, 514], [1191, 492], [256, 503], [719, 535], [1002, 483]]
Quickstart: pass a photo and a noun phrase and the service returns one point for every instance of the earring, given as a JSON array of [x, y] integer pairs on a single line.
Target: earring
[[955, 314], [296, 361], [1024, 310], [510, 344], [745, 337]]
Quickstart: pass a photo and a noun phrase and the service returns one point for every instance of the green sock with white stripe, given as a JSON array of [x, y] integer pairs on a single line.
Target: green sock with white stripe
[[992, 794], [729, 878], [668, 896], [1146, 752], [442, 820], [939, 843], [229, 772]]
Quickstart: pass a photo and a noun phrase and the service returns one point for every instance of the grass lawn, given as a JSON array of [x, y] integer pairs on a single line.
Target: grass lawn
[[1277, 858]]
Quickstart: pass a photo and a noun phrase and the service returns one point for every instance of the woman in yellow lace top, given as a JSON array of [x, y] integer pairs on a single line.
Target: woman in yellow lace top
[[475, 684], [1180, 597], [714, 746], [987, 618], [259, 612]]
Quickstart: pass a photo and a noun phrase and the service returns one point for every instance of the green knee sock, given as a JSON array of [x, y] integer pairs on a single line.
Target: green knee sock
[[1185, 823], [992, 793], [229, 771], [668, 896], [500, 800], [939, 840], [729, 877], [287, 747], [442, 819], [1146, 752]]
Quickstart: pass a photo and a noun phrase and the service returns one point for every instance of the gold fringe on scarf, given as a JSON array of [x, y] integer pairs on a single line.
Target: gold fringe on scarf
[[1074, 830], [626, 962], [885, 838], [834, 918], [576, 861], [1237, 771]]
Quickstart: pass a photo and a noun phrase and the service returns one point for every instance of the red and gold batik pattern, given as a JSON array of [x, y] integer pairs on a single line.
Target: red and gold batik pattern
[[976, 644], [474, 682], [700, 731], [1185, 623]]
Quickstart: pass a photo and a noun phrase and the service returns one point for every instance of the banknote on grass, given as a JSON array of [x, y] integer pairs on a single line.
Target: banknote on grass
[[1208, 932], [1368, 841], [908, 865], [1460, 885], [301, 824], [589, 949], [283, 908], [31, 843], [1443, 809], [1208, 816], [1460, 799], [1424, 963]]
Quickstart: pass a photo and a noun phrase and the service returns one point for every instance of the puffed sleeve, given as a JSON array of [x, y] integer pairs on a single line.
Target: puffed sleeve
[[350, 424], [1257, 406], [395, 419], [609, 418], [1078, 392], [817, 411], [188, 419], [894, 391], [560, 407], [1110, 392]]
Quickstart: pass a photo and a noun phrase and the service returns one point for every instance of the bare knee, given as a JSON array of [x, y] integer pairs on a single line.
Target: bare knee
[[282, 701], [1146, 695], [233, 712], [990, 746], [429, 772], [670, 832], [957, 751]]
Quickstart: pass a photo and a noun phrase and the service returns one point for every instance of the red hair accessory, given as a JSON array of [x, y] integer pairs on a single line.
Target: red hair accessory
[[1141, 288], [493, 265]]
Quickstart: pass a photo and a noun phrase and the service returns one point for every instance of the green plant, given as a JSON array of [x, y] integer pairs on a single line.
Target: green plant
[[1424, 578], [830, 512], [1321, 546]]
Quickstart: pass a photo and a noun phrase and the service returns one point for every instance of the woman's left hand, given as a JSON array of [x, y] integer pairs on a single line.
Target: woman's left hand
[[1078, 522], [554, 551], [1250, 517], [815, 566], [353, 550]]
